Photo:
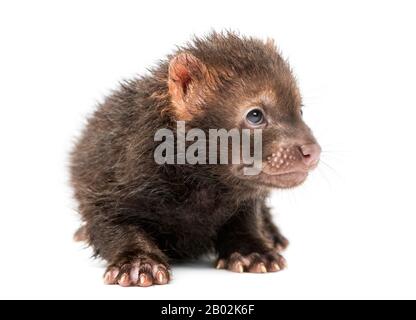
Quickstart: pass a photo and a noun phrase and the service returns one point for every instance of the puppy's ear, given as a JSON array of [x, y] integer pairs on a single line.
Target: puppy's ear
[[187, 78]]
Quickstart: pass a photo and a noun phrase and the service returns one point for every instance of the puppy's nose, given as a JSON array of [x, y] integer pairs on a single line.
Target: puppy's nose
[[311, 154]]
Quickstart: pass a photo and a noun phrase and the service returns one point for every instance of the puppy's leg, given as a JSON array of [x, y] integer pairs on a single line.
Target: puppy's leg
[[242, 246], [272, 232], [133, 258]]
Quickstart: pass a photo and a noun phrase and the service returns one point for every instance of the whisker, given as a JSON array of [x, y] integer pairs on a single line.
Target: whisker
[[337, 154], [325, 177], [331, 169], [328, 166]]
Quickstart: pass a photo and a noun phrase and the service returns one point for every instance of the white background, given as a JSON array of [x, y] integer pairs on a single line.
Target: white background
[[352, 225]]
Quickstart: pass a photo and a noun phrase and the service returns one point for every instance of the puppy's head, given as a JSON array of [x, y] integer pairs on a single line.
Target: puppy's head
[[228, 82]]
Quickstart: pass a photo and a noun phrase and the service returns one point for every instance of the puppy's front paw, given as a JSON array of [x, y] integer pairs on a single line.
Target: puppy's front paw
[[254, 262], [142, 272]]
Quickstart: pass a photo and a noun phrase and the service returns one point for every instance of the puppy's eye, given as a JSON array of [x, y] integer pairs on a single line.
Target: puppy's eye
[[255, 117]]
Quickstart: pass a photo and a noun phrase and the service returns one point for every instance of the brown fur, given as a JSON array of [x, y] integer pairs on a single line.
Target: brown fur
[[139, 215]]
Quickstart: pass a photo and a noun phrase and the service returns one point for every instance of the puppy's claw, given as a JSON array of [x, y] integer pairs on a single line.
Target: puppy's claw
[[237, 267], [259, 268], [274, 267], [145, 280], [111, 275], [161, 277], [221, 264], [142, 273], [124, 280], [254, 262]]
